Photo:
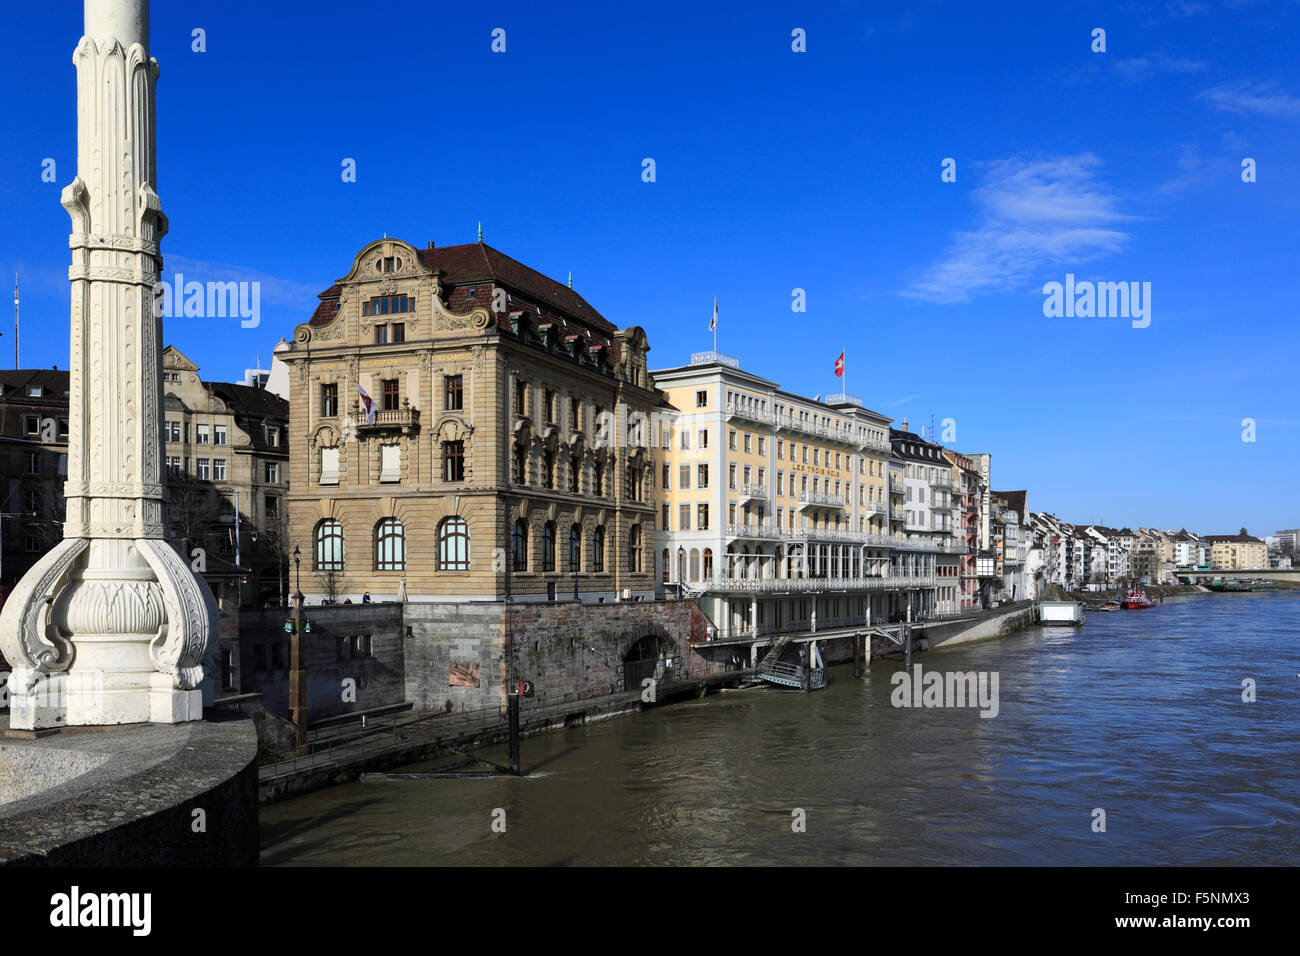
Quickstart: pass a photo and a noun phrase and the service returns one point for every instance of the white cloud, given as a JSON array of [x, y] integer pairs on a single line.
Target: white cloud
[[1138, 66], [274, 290], [1033, 213], [1263, 99]]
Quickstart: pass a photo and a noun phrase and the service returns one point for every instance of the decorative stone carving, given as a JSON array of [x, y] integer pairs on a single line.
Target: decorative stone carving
[[111, 625]]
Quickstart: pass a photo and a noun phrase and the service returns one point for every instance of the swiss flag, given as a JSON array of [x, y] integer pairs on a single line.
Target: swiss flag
[[839, 365]]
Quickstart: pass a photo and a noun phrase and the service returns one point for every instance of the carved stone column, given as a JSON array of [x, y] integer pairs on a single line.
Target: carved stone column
[[111, 626]]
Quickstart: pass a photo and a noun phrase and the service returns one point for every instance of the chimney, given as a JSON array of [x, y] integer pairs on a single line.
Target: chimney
[[904, 423]]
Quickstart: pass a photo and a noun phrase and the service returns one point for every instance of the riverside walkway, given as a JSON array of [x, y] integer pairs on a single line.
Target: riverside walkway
[[344, 752]]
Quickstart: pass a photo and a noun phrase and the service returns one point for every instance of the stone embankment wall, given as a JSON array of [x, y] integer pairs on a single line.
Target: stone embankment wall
[[459, 656]]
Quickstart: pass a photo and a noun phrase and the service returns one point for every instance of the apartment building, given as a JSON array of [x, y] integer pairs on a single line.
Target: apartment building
[[466, 428], [1236, 552]]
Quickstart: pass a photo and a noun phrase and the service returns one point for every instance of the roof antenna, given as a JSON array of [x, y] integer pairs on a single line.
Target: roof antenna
[[480, 230], [570, 278]]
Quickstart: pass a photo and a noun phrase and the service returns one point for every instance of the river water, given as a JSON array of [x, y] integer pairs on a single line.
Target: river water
[[1138, 713]]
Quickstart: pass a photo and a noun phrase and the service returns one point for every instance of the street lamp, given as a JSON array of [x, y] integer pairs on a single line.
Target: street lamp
[[681, 567], [297, 670]]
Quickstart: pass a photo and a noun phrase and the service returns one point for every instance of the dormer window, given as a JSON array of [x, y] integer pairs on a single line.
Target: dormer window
[[470, 293], [35, 391]]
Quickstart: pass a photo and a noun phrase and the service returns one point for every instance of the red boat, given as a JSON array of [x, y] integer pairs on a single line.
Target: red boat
[[1136, 599]]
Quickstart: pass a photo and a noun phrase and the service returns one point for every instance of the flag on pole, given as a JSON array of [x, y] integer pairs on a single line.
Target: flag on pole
[[713, 322], [368, 404], [839, 365]]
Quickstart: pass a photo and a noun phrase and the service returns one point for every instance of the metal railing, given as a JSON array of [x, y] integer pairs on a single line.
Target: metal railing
[[753, 490], [764, 529], [822, 498], [800, 585]]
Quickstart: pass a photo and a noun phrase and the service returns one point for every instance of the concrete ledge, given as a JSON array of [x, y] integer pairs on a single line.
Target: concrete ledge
[[128, 796]]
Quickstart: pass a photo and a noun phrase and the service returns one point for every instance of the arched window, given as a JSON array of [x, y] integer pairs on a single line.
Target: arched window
[[634, 548], [390, 545], [708, 563], [695, 564], [519, 546], [666, 559], [329, 545], [548, 546], [598, 549], [453, 544], [575, 548]]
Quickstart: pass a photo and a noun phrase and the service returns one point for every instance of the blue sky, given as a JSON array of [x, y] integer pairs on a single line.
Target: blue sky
[[775, 170]]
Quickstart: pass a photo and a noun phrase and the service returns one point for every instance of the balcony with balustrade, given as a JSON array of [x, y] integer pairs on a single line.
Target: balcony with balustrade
[[821, 499], [748, 411], [877, 508], [763, 531], [770, 585], [751, 490], [404, 420]]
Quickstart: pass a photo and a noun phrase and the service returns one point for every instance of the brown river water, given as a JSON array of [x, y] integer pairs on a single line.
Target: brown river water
[[1138, 714]]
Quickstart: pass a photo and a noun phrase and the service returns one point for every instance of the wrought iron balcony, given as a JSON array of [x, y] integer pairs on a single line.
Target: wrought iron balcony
[[877, 507], [751, 490], [821, 499], [816, 585], [750, 413], [765, 530]]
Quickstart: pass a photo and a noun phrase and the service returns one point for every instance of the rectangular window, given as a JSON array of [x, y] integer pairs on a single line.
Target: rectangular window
[[731, 476], [272, 473], [174, 431], [747, 442], [684, 518], [762, 445], [665, 518], [201, 434], [686, 440], [780, 449], [780, 482], [521, 398], [32, 424], [218, 469], [704, 438], [390, 463], [702, 476], [453, 392], [173, 465], [575, 414], [701, 399], [218, 434], [329, 400], [731, 439], [453, 461], [390, 395], [668, 476], [329, 466], [684, 476], [702, 517], [204, 469], [399, 332], [549, 403], [272, 506]]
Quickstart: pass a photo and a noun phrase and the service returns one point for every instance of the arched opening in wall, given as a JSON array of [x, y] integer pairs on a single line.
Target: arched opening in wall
[[640, 662]]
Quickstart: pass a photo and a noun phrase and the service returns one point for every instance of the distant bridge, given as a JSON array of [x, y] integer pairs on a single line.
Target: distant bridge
[[1289, 575]]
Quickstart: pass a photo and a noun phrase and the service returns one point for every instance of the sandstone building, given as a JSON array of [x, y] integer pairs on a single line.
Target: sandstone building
[[465, 428]]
